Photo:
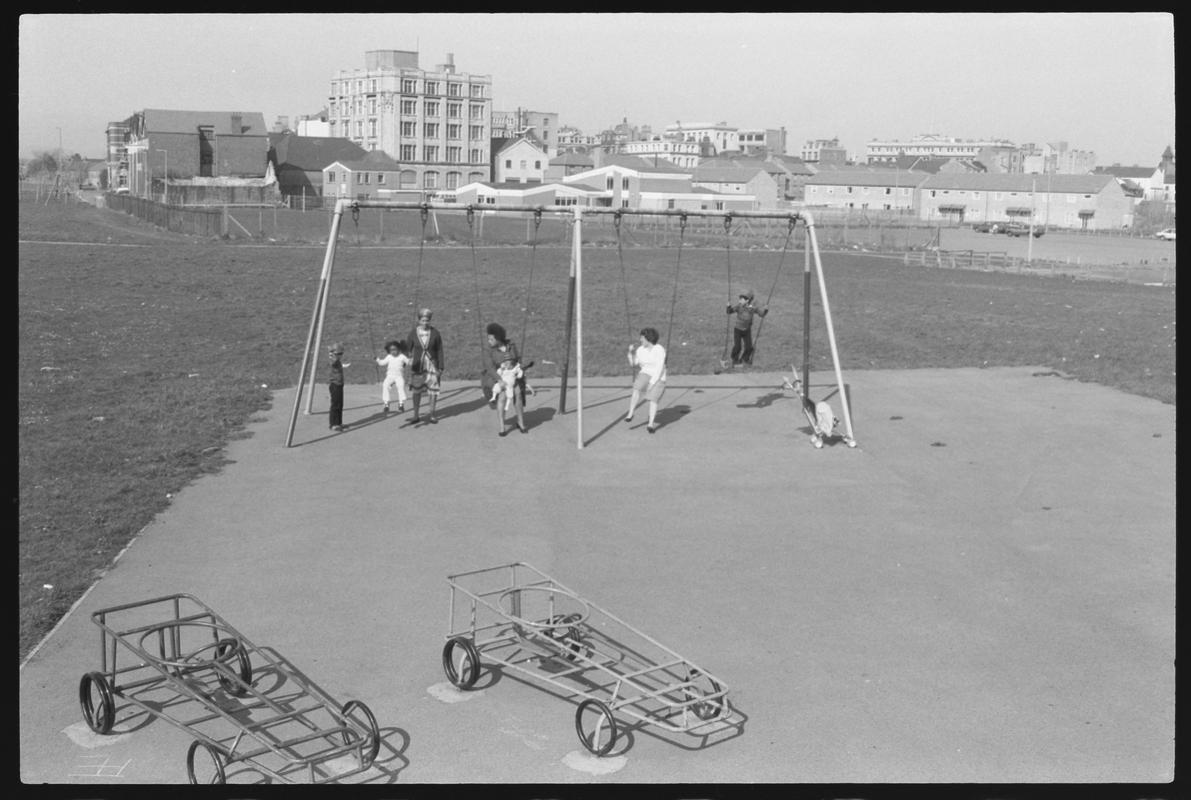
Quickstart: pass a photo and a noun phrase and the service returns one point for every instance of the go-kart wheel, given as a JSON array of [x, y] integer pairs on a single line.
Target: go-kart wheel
[[705, 687], [367, 720], [224, 650], [596, 727], [464, 673], [212, 764], [102, 715]]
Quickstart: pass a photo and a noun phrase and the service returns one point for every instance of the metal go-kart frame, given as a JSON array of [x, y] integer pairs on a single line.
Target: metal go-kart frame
[[522, 619], [192, 669]]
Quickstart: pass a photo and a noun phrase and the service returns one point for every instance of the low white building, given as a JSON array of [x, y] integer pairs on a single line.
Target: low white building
[[520, 161]]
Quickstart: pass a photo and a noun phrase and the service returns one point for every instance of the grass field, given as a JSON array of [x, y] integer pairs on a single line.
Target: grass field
[[142, 353]]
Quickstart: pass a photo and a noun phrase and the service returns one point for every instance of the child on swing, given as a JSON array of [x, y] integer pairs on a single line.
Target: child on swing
[[742, 334], [507, 374], [396, 362]]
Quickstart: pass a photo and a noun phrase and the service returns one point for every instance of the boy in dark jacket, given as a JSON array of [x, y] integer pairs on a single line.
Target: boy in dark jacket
[[742, 334]]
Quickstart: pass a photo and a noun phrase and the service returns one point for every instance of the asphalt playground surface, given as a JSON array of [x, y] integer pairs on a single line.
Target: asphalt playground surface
[[982, 591]]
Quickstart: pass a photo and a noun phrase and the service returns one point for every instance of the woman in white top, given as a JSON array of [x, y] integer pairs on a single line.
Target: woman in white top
[[651, 379]]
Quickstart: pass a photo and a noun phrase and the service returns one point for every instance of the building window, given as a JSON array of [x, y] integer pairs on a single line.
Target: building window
[[362, 178], [477, 112], [331, 176], [624, 182], [359, 129], [409, 86], [537, 164], [430, 130], [477, 90], [454, 110], [430, 180], [372, 105], [611, 182], [475, 132], [508, 163], [477, 155], [409, 107], [409, 128], [372, 127], [431, 87], [454, 154], [431, 153], [452, 177], [380, 177], [409, 179], [453, 131], [454, 90], [522, 166], [408, 152], [432, 108]]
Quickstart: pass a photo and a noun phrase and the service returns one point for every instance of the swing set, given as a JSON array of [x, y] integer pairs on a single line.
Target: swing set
[[574, 319]]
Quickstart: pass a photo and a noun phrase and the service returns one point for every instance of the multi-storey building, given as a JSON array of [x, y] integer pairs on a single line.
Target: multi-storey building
[[762, 141], [573, 140], [719, 136], [117, 156], [437, 124], [540, 126], [682, 154], [812, 150], [931, 145], [1056, 158]]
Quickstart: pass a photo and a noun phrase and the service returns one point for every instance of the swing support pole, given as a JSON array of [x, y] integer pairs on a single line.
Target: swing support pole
[[839, 376], [576, 244], [314, 335]]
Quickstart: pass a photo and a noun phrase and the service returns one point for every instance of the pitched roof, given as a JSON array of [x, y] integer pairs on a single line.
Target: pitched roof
[[372, 160], [1017, 182], [868, 177], [1118, 171], [726, 174], [640, 164], [570, 159], [513, 142], [313, 153], [159, 120]]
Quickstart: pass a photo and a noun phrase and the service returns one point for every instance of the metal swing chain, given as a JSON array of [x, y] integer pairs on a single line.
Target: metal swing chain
[[624, 280], [475, 276], [533, 257], [421, 251], [728, 252], [781, 263], [367, 310], [677, 267]]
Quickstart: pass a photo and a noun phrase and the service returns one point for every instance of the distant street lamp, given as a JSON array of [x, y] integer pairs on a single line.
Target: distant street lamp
[[165, 185]]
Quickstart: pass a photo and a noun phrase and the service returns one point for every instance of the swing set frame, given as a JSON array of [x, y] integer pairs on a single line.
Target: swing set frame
[[574, 324]]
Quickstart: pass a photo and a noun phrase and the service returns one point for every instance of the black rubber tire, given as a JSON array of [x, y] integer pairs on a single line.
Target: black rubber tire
[[465, 678], [216, 757], [221, 652], [610, 722], [373, 749], [99, 719]]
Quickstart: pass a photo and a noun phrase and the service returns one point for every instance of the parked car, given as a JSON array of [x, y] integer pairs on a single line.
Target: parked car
[[1166, 233], [985, 227], [1018, 229]]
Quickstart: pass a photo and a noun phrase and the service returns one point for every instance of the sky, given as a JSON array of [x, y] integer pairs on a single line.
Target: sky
[[1102, 82]]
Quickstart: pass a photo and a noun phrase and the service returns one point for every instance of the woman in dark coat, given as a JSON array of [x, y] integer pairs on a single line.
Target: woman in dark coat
[[425, 351], [500, 349]]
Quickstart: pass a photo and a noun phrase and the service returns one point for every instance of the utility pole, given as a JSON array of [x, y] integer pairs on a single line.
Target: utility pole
[[1033, 210]]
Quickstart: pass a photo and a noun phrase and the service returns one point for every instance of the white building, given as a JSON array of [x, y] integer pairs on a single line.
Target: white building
[[520, 161], [436, 123], [684, 154], [720, 135], [930, 145]]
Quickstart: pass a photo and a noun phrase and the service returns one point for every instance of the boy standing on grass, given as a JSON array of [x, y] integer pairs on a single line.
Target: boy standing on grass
[[335, 385]]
